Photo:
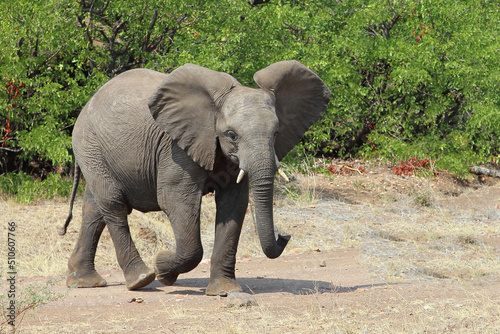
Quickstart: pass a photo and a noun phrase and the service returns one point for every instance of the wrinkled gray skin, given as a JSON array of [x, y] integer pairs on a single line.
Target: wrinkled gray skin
[[150, 141]]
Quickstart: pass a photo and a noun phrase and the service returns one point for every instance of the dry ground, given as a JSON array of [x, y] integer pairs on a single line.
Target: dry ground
[[370, 253]]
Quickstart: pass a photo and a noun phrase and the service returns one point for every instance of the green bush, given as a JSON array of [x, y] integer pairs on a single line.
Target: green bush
[[414, 79], [24, 189], [408, 78], [11, 183]]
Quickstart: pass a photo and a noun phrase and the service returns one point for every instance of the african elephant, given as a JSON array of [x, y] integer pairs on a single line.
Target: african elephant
[[151, 141]]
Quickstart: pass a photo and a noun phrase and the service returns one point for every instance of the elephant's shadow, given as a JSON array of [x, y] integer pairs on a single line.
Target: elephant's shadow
[[265, 285]]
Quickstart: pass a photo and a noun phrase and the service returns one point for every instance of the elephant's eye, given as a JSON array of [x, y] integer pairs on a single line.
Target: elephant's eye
[[231, 135]]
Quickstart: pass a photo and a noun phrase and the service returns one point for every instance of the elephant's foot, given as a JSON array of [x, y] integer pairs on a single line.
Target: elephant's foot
[[167, 279], [222, 286], [161, 268], [90, 279], [139, 276]]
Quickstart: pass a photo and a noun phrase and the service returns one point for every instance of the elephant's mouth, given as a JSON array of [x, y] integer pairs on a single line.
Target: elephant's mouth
[[234, 158]]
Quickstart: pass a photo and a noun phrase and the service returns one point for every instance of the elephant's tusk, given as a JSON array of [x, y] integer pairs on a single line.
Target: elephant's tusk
[[240, 176], [283, 175]]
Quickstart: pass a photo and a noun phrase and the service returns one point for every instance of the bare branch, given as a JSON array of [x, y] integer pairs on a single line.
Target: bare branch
[[485, 171], [148, 35], [92, 10], [53, 54], [11, 149], [384, 28], [200, 41]]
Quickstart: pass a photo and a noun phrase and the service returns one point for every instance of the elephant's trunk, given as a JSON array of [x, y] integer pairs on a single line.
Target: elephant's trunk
[[262, 183]]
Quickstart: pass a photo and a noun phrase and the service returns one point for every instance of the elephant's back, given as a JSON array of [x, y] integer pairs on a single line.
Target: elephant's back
[[125, 93], [118, 111]]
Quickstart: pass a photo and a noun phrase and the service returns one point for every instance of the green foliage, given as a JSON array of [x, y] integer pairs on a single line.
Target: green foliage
[[408, 78], [24, 189], [414, 79], [11, 183], [44, 70], [300, 161]]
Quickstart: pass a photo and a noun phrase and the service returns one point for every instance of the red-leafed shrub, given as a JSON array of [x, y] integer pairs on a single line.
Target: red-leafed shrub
[[413, 166]]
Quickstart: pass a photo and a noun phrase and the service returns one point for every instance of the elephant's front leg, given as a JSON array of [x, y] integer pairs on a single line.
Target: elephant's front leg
[[185, 219], [231, 203]]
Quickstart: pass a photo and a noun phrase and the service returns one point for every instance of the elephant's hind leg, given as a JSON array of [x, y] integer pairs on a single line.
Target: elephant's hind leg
[[81, 270], [137, 274]]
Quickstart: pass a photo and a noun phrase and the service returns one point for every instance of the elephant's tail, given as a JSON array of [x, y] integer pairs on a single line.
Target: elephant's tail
[[62, 230]]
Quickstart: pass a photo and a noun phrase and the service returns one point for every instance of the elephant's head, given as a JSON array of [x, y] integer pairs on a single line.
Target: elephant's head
[[255, 127]]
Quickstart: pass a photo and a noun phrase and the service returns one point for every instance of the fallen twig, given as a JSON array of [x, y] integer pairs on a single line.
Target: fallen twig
[[485, 171]]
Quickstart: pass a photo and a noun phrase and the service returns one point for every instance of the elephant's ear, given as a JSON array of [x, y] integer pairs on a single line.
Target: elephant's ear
[[301, 100], [184, 106]]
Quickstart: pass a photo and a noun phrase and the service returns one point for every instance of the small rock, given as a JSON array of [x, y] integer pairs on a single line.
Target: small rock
[[136, 300], [317, 250], [222, 293], [240, 299], [322, 264]]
